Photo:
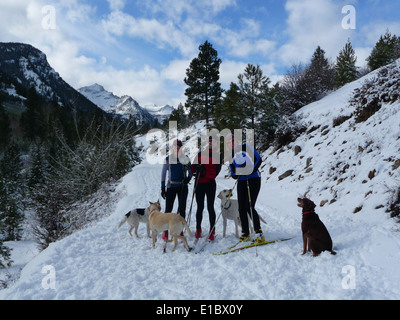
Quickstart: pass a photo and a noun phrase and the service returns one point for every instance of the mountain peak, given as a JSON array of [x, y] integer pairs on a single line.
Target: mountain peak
[[125, 106], [23, 66]]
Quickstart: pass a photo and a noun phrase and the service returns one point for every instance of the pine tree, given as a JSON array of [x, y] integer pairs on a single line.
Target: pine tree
[[257, 101], [229, 113], [385, 51], [31, 118], [346, 70], [5, 131], [11, 201], [318, 77], [202, 78], [254, 92], [179, 116], [5, 252]]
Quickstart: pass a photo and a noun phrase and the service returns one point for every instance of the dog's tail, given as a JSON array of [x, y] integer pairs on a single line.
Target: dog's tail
[[125, 219], [187, 228]]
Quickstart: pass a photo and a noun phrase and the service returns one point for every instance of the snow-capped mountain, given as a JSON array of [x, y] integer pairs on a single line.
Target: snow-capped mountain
[[124, 107], [22, 67], [161, 113]]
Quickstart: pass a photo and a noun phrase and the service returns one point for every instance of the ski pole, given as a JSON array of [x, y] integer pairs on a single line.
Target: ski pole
[[194, 192]]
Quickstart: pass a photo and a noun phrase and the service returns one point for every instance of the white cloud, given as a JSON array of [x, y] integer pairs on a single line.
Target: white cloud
[[160, 34], [176, 70], [311, 23], [217, 5], [116, 5]]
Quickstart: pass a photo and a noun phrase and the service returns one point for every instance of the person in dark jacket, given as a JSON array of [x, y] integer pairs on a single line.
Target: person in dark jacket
[[179, 175], [244, 167], [206, 170]]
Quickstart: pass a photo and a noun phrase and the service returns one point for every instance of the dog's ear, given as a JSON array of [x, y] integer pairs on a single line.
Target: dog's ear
[[151, 203], [310, 205]]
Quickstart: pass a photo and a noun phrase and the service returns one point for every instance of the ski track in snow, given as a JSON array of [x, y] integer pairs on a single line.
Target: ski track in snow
[[102, 262]]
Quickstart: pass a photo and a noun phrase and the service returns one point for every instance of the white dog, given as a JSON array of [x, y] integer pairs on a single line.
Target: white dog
[[134, 217], [230, 211]]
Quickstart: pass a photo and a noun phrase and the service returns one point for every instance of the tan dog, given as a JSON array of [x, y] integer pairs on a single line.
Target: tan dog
[[172, 222]]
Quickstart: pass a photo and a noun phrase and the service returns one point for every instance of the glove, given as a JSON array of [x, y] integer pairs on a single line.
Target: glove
[[163, 193], [186, 181]]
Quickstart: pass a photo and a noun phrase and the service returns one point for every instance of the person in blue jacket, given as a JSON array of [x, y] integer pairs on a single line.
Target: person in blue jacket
[[179, 176], [244, 167]]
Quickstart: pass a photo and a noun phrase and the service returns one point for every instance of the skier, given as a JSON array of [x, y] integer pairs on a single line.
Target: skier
[[244, 167], [206, 170], [179, 175]]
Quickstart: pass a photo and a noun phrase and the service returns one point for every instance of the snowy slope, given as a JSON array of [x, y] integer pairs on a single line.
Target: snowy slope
[[102, 262]]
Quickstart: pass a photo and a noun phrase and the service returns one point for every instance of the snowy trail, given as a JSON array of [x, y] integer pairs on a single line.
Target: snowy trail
[[102, 262]]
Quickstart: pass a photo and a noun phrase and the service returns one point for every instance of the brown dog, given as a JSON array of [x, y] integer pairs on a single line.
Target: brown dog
[[314, 231]]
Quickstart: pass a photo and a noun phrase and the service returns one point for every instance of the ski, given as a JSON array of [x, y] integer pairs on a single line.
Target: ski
[[223, 252], [201, 245]]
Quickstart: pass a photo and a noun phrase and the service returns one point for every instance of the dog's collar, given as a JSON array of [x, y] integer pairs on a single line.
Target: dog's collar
[[230, 203], [307, 212]]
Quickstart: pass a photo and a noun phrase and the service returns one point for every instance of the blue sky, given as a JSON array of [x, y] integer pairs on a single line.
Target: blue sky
[[142, 48]]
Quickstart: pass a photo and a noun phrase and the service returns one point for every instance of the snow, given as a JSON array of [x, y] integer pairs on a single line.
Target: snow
[[102, 262], [124, 106], [100, 97]]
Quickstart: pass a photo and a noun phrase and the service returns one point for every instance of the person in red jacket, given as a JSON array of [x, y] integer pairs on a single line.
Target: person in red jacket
[[206, 169]]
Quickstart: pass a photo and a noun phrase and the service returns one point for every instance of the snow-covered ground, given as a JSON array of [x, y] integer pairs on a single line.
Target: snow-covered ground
[[102, 262]]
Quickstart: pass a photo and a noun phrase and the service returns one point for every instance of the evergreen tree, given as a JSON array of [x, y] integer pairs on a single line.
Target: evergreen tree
[[202, 78], [229, 113], [39, 168], [346, 70], [5, 131], [385, 51], [179, 116], [11, 201], [257, 101], [254, 92], [318, 77], [5, 252], [31, 118]]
